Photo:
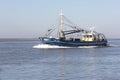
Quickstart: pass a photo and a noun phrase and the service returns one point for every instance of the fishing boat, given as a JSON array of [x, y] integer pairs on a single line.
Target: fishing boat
[[85, 37]]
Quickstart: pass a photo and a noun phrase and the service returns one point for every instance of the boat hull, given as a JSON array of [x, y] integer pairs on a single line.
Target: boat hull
[[67, 43]]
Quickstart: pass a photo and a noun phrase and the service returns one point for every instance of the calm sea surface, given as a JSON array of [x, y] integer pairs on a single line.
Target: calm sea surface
[[20, 61]]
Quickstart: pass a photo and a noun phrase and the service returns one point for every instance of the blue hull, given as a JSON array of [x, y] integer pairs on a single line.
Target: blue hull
[[57, 42]]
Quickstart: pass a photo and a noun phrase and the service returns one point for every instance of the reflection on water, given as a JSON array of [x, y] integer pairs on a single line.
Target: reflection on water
[[88, 70], [63, 65]]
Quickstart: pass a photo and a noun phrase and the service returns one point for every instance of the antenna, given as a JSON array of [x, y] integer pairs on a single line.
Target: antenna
[[61, 12], [92, 29]]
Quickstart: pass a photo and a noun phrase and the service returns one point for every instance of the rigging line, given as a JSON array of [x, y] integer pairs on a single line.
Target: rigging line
[[70, 21], [74, 27], [77, 27]]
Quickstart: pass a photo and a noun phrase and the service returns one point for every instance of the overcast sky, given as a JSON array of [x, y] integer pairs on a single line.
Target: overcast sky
[[31, 18]]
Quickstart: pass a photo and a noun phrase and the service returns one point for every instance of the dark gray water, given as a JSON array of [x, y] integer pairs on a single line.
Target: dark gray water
[[19, 61]]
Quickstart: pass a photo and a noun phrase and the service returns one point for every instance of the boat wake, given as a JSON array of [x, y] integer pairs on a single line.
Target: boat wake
[[46, 46], [114, 45]]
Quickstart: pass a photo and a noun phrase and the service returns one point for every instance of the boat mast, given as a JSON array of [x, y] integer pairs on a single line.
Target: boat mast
[[61, 33]]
